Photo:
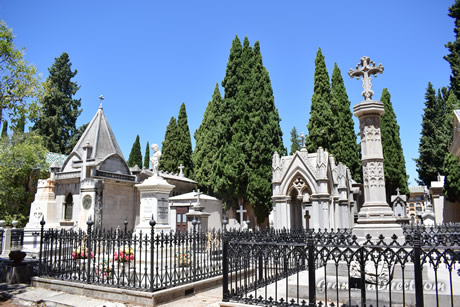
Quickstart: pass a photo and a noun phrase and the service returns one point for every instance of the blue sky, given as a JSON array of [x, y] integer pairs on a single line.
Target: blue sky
[[147, 57]]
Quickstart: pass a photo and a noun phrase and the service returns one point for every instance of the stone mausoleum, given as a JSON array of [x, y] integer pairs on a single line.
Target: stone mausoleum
[[311, 191], [95, 182]]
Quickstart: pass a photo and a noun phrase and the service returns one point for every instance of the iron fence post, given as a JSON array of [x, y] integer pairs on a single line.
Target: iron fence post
[[362, 264], [152, 234], [40, 259], [88, 243], [418, 270], [225, 294], [311, 271], [194, 223]]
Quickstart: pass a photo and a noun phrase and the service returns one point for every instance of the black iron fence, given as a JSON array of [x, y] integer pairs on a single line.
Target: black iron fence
[[121, 258], [308, 268]]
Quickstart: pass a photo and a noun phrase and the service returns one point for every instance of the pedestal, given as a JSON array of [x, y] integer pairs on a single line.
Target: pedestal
[[154, 202]]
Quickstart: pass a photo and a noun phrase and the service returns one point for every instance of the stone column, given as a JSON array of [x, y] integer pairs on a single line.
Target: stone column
[[375, 216]]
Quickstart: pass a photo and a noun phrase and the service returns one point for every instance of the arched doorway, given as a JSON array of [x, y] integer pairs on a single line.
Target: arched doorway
[[299, 193], [68, 207]]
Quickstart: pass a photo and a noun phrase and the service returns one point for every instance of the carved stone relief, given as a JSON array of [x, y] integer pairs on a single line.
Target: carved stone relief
[[373, 174]]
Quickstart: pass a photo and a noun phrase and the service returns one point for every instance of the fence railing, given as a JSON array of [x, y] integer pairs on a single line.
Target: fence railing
[[121, 258], [307, 268]]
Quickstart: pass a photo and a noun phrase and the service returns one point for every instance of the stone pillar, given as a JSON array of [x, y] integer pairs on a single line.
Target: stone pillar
[[375, 216], [88, 195], [154, 201]]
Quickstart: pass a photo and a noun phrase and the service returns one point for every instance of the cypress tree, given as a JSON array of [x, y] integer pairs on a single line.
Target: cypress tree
[[451, 168], [208, 140], [135, 156], [184, 145], [147, 156], [169, 148], [59, 111], [431, 154], [4, 129], [321, 123], [344, 148], [454, 51], [394, 163], [295, 141]]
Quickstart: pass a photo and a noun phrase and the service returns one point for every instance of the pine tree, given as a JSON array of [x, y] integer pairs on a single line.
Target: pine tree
[[431, 154], [135, 156], [184, 144], [394, 163], [454, 50], [208, 140], [59, 111], [321, 122], [344, 148], [169, 148], [295, 141], [147, 156]]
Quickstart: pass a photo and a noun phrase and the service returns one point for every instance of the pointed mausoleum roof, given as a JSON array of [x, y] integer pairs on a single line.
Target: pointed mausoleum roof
[[98, 140]]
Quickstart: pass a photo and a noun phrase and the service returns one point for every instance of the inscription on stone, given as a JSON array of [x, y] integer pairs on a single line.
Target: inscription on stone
[[162, 211]]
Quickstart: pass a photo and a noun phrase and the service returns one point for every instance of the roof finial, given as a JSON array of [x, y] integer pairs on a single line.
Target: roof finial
[[101, 98]]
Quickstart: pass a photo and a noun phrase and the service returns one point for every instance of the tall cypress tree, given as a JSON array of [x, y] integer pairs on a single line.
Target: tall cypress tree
[[208, 141], [454, 50], [135, 156], [169, 148], [147, 155], [321, 123], [344, 148], [431, 154], [394, 163], [184, 143], [59, 111], [295, 141]]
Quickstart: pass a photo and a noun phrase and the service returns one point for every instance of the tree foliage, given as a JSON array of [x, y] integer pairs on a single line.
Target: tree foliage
[[59, 111], [147, 156], [295, 141], [344, 136], [184, 145], [18, 80], [246, 133], [169, 148], [454, 51], [394, 162], [22, 162], [451, 168], [135, 156], [321, 123]]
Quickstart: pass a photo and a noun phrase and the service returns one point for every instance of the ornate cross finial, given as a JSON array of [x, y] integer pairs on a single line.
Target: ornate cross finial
[[366, 70], [181, 173], [302, 138], [102, 99], [198, 194], [397, 190]]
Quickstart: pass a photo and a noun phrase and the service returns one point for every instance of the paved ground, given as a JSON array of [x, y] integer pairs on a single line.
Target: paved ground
[[23, 295]]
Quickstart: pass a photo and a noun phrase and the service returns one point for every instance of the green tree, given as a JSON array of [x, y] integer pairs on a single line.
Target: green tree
[[431, 153], [147, 156], [454, 51], [169, 148], [208, 140], [344, 146], [451, 168], [18, 80], [394, 163], [184, 144], [22, 162], [135, 156], [59, 111], [321, 123], [4, 129], [295, 141]]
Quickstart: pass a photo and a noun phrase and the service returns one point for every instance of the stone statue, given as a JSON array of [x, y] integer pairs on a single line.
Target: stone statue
[[155, 159]]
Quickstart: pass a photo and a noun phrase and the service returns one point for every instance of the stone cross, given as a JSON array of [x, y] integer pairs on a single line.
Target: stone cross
[[197, 194], [241, 211], [302, 138], [397, 191], [181, 173], [366, 70], [102, 99]]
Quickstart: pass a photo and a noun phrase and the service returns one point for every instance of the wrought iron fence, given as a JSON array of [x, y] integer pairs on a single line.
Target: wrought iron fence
[[122, 258], [308, 268]]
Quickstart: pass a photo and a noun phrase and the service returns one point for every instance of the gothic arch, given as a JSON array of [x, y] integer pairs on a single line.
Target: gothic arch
[[298, 187], [298, 168]]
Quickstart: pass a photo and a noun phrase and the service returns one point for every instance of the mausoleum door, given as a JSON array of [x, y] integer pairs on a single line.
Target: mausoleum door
[[181, 218], [296, 213]]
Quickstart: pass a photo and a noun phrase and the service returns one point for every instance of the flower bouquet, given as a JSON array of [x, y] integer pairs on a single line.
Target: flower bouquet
[[184, 259], [104, 268], [124, 255], [81, 253]]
